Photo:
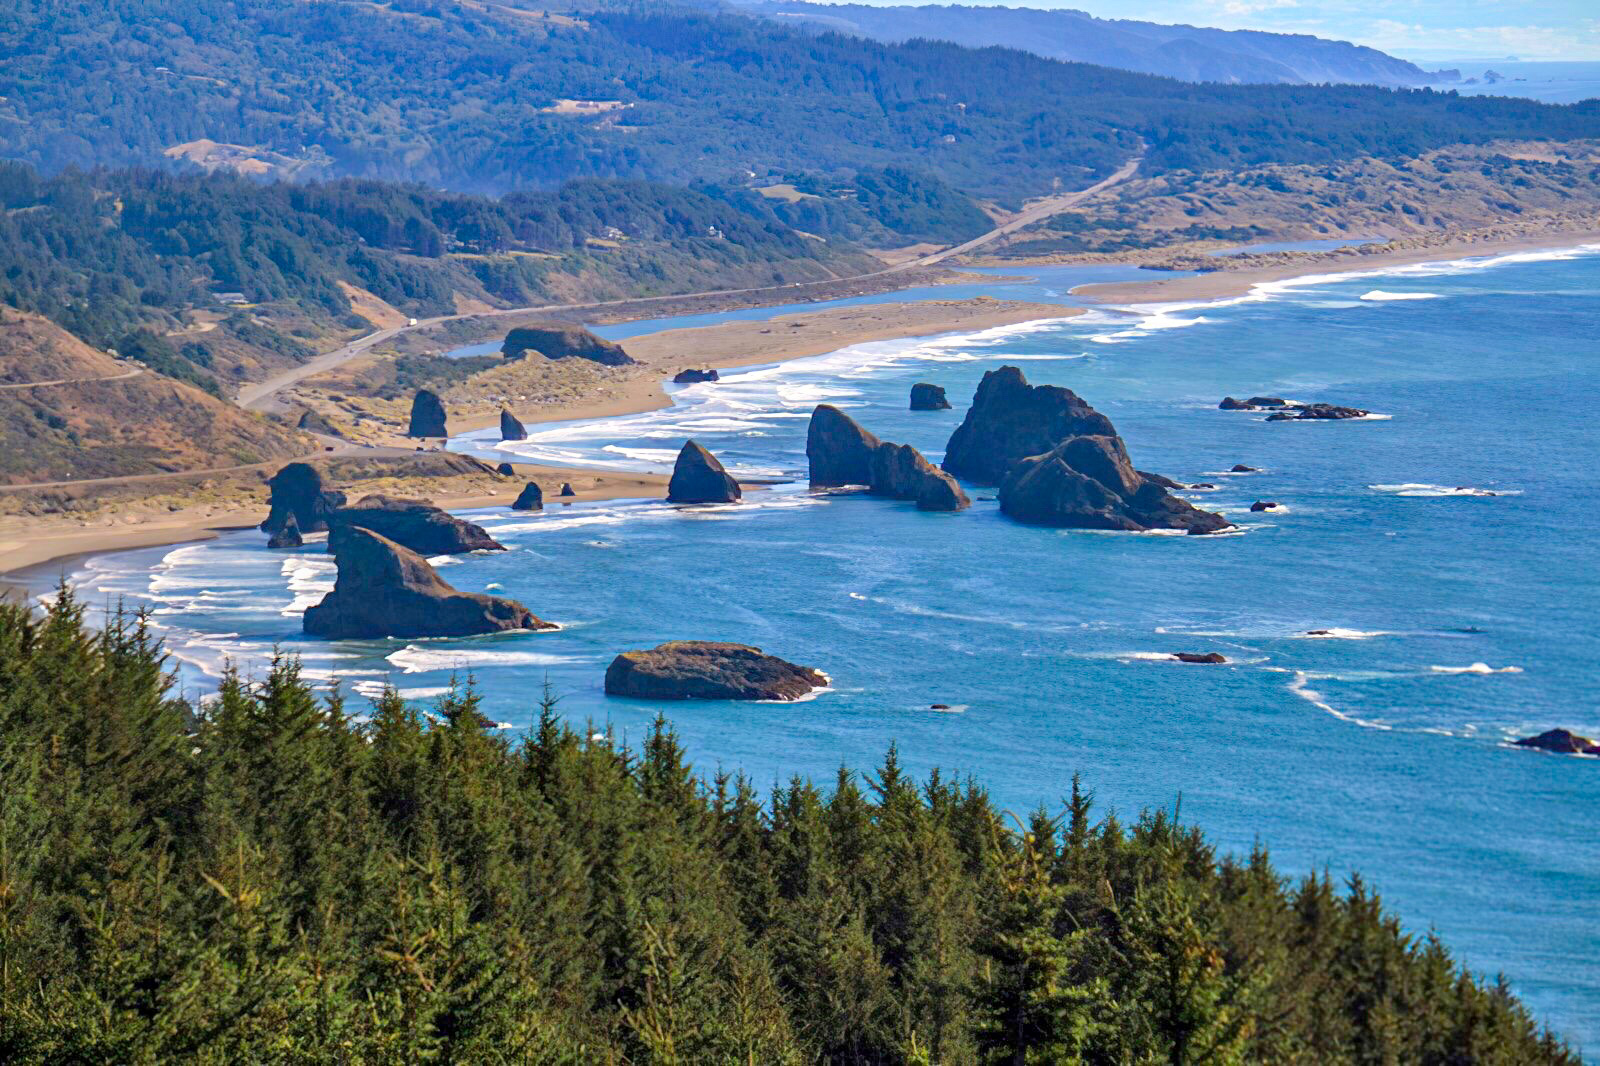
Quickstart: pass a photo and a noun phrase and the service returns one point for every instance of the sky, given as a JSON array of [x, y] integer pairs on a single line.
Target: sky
[[1412, 29]]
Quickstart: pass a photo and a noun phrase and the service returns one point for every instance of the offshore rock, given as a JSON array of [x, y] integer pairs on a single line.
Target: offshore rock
[[1312, 411], [286, 537], [510, 427], [506, 470], [1196, 657], [298, 491], [926, 397], [1240, 468], [698, 477], [416, 525], [708, 670], [840, 451], [561, 341], [1561, 741], [1088, 482], [1264, 505], [531, 498], [427, 415], [901, 473], [566, 489], [386, 590], [1011, 420], [694, 376]]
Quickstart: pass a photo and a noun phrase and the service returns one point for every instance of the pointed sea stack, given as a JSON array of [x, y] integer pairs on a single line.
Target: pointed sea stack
[[1011, 420], [1087, 482], [708, 670], [566, 489], [298, 492], [510, 427], [926, 397], [427, 416], [416, 525], [698, 477], [286, 537], [530, 499], [386, 590], [842, 453]]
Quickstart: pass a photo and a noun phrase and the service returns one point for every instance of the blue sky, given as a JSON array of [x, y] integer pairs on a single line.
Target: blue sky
[[1415, 29]]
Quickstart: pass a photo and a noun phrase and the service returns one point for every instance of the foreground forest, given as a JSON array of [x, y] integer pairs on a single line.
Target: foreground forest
[[289, 879]]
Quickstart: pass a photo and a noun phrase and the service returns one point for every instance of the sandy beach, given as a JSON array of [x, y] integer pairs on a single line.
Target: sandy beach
[[1227, 284]]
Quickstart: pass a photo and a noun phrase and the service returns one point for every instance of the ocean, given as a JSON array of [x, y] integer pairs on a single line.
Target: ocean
[[1447, 549]]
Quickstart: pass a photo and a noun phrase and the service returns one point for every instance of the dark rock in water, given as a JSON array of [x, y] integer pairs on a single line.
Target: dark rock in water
[[387, 590], [1562, 741], [839, 450], [286, 537], [298, 492], [566, 489], [938, 706], [1011, 420], [1240, 468], [1203, 485], [1267, 401], [416, 525], [510, 427], [693, 376], [427, 416], [1164, 482], [312, 422], [561, 341], [506, 470], [1326, 411], [926, 397], [530, 499], [1195, 657], [698, 477], [1087, 482], [708, 670], [1264, 505], [842, 453], [1230, 404]]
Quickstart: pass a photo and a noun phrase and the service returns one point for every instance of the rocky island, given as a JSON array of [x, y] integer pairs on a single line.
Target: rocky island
[[298, 493], [708, 670], [926, 397], [841, 453], [698, 477], [416, 524], [511, 427]]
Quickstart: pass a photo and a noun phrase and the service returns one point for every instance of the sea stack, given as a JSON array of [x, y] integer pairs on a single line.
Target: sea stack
[[427, 415], [298, 492], [566, 489], [505, 470], [1560, 741], [386, 590], [416, 525], [694, 376], [842, 453], [510, 427], [530, 499], [926, 397], [1088, 482], [1011, 420], [708, 670], [697, 477], [288, 536]]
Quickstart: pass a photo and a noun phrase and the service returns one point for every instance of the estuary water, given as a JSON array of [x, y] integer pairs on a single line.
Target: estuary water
[[1446, 552]]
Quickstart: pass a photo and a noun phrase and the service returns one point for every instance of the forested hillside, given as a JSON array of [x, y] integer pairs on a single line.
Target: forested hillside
[[282, 881], [486, 97]]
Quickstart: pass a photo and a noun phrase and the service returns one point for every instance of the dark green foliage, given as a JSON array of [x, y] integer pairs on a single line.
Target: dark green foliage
[[276, 881], [188, 363]]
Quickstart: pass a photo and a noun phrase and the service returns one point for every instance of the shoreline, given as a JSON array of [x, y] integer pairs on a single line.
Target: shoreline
[[1219, 285]]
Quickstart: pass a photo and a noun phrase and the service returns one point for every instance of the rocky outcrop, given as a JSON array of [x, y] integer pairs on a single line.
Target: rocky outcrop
[[531, 498], [288, 536], [1087, 482], [505, 470], [1254, 403], [510, 427], [694, 376], [1561, 741], [1264, 505], [312, 422], [298, 491], [1240, 468], [708, 670], [842, 453], [1010, 420], [558, 340], [1300, 412], [416, 525], [427, 416], [386, 590], [566, 489], [698, 477], [926, 397], [1208, 658]]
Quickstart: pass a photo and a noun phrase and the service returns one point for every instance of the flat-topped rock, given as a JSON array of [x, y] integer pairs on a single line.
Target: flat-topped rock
[[698, 477], [286, 537], [298, 491], [1313, 411], [926, 397], [1264, 505], [1088, 482], [708, 670], [531, 498], [1010, 420], [559, 340], [1240, 468], [386, 590], [693, 376], [427, 415], [511, 428], [1206, 658], [415, 524], [1254, 403], [1561, 741]]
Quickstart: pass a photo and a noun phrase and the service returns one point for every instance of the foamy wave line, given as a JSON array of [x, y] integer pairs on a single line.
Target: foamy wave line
[[417, 659], [1301, 686], [1379, 296], [1421, 489], [1476, 668]]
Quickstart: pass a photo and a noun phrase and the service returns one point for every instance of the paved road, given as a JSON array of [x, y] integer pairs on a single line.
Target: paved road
[[133, 373], [263, 396]]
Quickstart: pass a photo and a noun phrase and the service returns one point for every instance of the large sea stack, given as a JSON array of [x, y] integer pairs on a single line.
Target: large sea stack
[[697, 477], [298, 492], [1087, 482], [531, 498], [926, 397], [427, 416], [1010, 420], [386, 590], [842, 453], [510, 427], [708, 670], [561, 341], [415, 524]]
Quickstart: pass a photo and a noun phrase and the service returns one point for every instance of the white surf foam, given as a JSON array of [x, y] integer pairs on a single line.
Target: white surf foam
[[1301, 686], [1422, 489], [419, 659], [1380, 296], [1339, 633], [1476, 668]]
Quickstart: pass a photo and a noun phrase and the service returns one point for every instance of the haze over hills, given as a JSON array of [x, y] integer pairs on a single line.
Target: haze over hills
[[1191, 53]]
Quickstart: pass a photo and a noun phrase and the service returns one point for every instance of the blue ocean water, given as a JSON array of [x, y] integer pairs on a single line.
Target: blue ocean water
[[1448, 549], [1554, 82]]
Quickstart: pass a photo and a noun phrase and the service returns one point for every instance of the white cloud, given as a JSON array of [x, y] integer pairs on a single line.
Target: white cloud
[[1239, 8], [1527, 42]]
